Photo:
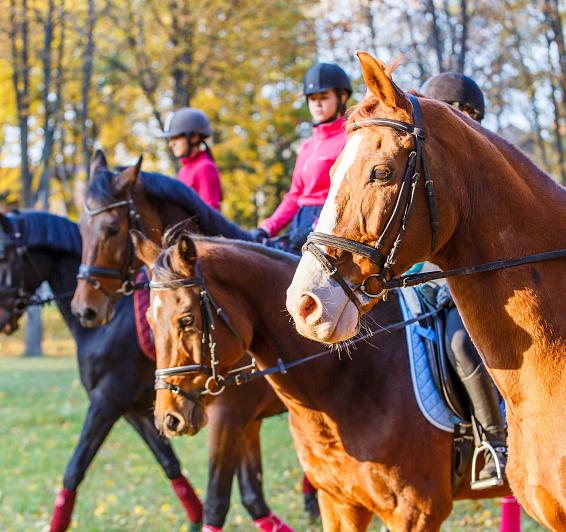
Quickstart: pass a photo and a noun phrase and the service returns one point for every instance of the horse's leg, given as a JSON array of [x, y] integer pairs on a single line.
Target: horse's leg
[[341, 516], [224, 453], [163, 452], [100, 418], [250, 482]]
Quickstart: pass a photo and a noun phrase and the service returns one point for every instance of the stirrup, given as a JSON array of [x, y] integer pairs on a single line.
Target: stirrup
[[492, 482]]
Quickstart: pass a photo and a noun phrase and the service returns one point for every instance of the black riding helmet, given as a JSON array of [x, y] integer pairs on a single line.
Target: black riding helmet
[[457, 90], [324, 77]]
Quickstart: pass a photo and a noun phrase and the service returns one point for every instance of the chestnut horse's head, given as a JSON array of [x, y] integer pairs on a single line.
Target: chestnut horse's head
[[195, 341], [108, 264], [377, 182]]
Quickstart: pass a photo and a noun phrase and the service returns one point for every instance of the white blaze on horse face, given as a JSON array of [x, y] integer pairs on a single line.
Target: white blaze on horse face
[[156, 304], [327, 220], [339, 319]]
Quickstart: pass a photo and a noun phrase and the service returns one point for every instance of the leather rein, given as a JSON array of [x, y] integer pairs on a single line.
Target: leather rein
[[217, 383], [127, 273], [416, 166]]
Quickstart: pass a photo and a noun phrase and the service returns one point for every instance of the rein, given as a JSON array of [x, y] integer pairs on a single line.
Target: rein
[[242, 374], [127, 273], [402, 212]]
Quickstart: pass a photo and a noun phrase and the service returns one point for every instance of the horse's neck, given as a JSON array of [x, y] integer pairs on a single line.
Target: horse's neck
[[312, 385], [508, 209]]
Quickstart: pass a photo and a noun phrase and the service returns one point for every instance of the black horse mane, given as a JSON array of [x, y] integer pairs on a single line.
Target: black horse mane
[[47, 230], [210, 221]]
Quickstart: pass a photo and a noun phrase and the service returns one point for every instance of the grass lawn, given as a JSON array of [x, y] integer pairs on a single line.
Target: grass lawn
[[42, 405]]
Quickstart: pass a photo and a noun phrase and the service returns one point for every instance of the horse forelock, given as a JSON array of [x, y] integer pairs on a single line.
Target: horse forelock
[[100, 188]]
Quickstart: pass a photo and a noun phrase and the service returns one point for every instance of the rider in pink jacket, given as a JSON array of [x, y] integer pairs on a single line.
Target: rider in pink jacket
[[187, 131], [327, 88]]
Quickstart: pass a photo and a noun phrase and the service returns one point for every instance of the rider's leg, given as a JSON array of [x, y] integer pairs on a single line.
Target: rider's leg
[[479, 386]]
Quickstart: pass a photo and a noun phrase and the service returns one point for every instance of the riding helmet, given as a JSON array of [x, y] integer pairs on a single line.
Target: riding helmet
[[456, 88], [324, 77], [185, 121]]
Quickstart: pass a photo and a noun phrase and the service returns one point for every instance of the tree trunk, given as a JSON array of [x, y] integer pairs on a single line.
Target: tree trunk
[[87, 140], [436, 35], [461, 63], [19, 45]]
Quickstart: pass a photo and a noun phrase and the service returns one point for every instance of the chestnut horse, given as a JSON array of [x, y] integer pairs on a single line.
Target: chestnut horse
[[479, 200], [355, 422], [156, 202]]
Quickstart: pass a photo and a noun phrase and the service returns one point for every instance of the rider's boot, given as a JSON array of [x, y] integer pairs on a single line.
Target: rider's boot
[[485, 404]]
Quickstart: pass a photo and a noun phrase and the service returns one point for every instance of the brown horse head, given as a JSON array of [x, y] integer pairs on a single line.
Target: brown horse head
[[108, 260], [365, 186], [182, 326]]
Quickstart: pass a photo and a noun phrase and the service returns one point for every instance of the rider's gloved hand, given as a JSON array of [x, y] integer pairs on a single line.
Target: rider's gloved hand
[[444, 297], [259, 234]]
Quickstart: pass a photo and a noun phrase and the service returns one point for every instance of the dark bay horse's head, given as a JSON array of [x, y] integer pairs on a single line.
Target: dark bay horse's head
[[9, 314], [366, 182], [182, 324], [19, 278], [108, 264]]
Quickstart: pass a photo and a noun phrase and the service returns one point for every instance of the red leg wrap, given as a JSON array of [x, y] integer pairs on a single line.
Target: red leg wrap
[[272, 523], [62, 510], [188, 498]]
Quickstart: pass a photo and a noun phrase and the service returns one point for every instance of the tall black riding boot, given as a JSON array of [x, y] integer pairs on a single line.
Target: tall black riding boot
[[485, 403]]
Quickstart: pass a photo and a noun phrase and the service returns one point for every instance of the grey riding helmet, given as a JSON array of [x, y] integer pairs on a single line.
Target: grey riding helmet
[[185, 121], [324, 77], [458, 90]]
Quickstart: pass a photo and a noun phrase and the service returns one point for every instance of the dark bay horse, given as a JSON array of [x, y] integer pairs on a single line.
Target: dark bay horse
[[484, 201], [355, 422], [113, 370], [156, 202]]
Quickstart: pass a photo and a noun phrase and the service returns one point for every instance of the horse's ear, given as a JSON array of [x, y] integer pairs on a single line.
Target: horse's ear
[[187, 249], [146, 250], [378, 81], [127, 179], [98, 161]]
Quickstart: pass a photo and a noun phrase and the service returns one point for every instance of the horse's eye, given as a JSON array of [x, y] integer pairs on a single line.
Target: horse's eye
[[185, 322], [380, 173], [112, 230]]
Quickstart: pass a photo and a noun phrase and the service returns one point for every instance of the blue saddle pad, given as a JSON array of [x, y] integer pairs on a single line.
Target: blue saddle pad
[[430, 401]]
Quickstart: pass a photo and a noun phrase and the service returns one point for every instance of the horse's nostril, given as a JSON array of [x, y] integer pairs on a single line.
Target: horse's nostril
[[89, 314], [310, 308], [172, 422]]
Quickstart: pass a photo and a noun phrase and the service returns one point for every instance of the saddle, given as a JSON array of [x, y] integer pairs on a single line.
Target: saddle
[[143, 330], [445, 379]]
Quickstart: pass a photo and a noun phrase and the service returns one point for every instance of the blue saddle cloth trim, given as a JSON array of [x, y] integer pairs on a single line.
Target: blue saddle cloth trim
[[429, 399]]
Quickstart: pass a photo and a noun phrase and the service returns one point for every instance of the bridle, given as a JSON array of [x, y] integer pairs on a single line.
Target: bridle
[[216, 383], [416, 165], [22, 298], [127, 273], [402, 210]]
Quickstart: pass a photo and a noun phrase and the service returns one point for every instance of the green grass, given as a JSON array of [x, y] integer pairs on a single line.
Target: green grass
[[41, 407]]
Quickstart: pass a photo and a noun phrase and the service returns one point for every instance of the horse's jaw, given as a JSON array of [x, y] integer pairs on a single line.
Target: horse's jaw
[[336, 320]]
